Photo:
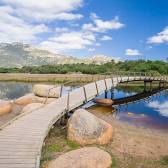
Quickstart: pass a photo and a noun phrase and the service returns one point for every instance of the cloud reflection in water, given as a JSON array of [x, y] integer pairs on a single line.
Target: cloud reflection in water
[[161, 107]]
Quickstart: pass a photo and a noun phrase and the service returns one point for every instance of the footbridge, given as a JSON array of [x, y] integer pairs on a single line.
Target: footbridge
[[21, 140]]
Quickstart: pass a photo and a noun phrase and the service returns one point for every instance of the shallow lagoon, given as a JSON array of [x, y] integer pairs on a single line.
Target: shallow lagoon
[[150, 113]]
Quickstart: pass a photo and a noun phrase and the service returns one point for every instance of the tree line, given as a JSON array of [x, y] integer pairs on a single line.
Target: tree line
[[149, 66]]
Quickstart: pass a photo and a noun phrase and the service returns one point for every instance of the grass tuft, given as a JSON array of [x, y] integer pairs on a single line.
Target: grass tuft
[[164, 160], [72, 145], [54, 148], [114, 162]]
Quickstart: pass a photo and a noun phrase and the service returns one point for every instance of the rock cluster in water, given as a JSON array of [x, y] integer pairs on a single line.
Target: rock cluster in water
[[42, 94]]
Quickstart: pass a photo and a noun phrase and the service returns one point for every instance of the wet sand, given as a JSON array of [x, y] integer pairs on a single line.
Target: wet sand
[[135, 140]]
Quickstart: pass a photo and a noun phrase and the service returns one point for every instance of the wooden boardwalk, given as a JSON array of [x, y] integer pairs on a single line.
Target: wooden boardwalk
[[21, 141]]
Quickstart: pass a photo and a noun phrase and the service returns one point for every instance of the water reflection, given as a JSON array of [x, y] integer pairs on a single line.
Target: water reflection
[[161, 107], [151, 112], [12, 90]]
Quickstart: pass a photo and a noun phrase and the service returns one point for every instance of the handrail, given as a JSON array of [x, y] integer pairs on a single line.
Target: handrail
[[107, 74], [56, 87], [111, 74]]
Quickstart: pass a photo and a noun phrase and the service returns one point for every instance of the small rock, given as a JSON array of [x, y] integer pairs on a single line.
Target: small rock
[[87, 157], [104, 102], [31, 107], [85, 128], [47, 90], [5, 107], [130, 114]]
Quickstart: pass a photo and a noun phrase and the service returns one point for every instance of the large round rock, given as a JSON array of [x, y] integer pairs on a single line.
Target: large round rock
[[47, 90], [31, 107], [85, 128], [87, 157], [5, 107]]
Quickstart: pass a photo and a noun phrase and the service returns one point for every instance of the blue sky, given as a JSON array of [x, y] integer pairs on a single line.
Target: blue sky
[[125, 29]]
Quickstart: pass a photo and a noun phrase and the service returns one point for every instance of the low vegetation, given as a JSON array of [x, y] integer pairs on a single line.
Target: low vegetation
[[164, 160], [57, 144], [159, 67]]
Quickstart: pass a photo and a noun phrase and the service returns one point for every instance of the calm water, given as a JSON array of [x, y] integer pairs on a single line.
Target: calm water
[[152, 112], [13, 90]]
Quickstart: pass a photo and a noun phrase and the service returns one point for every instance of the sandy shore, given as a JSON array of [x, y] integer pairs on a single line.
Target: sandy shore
[[131, 147], [137, 141]]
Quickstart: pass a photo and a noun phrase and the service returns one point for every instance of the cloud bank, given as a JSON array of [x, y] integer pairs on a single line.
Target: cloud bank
[[53, 25], [159, 38]]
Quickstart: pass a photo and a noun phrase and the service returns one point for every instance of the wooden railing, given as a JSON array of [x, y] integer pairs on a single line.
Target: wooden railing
[[118, 74]]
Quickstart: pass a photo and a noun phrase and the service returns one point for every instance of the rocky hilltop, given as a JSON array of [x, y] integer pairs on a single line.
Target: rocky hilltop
[[18, 55]]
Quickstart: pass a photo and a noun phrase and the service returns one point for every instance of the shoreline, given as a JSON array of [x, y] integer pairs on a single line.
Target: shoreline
[[61, 78], [131, 146], [27, 77]]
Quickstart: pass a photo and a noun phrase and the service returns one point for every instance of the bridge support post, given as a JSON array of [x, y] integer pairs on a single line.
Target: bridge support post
[[151, 86], [112, 93], [106, 92], [63, 120], [145, 86], [162, 84]]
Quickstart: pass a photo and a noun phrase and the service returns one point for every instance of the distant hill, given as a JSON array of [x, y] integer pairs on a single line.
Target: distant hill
[[18, 55]]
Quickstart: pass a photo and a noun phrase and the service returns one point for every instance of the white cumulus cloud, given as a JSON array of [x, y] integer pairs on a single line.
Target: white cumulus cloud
[[132, 52], [106, 38], [25, 20], [45, 9], [68, 41], [100, 25], [14, 29], [61, 29], [38, 22], [159, 38], [91, 49]]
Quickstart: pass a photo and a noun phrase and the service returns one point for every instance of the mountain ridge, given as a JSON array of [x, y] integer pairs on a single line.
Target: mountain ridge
[[19, 55]]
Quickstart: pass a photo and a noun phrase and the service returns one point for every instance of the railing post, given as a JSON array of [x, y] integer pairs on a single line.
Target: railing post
[[112, 80], [92, 78], [67, 109], [105, 84], [61, 90], [97, 89], [85, 94], [134, 75]]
